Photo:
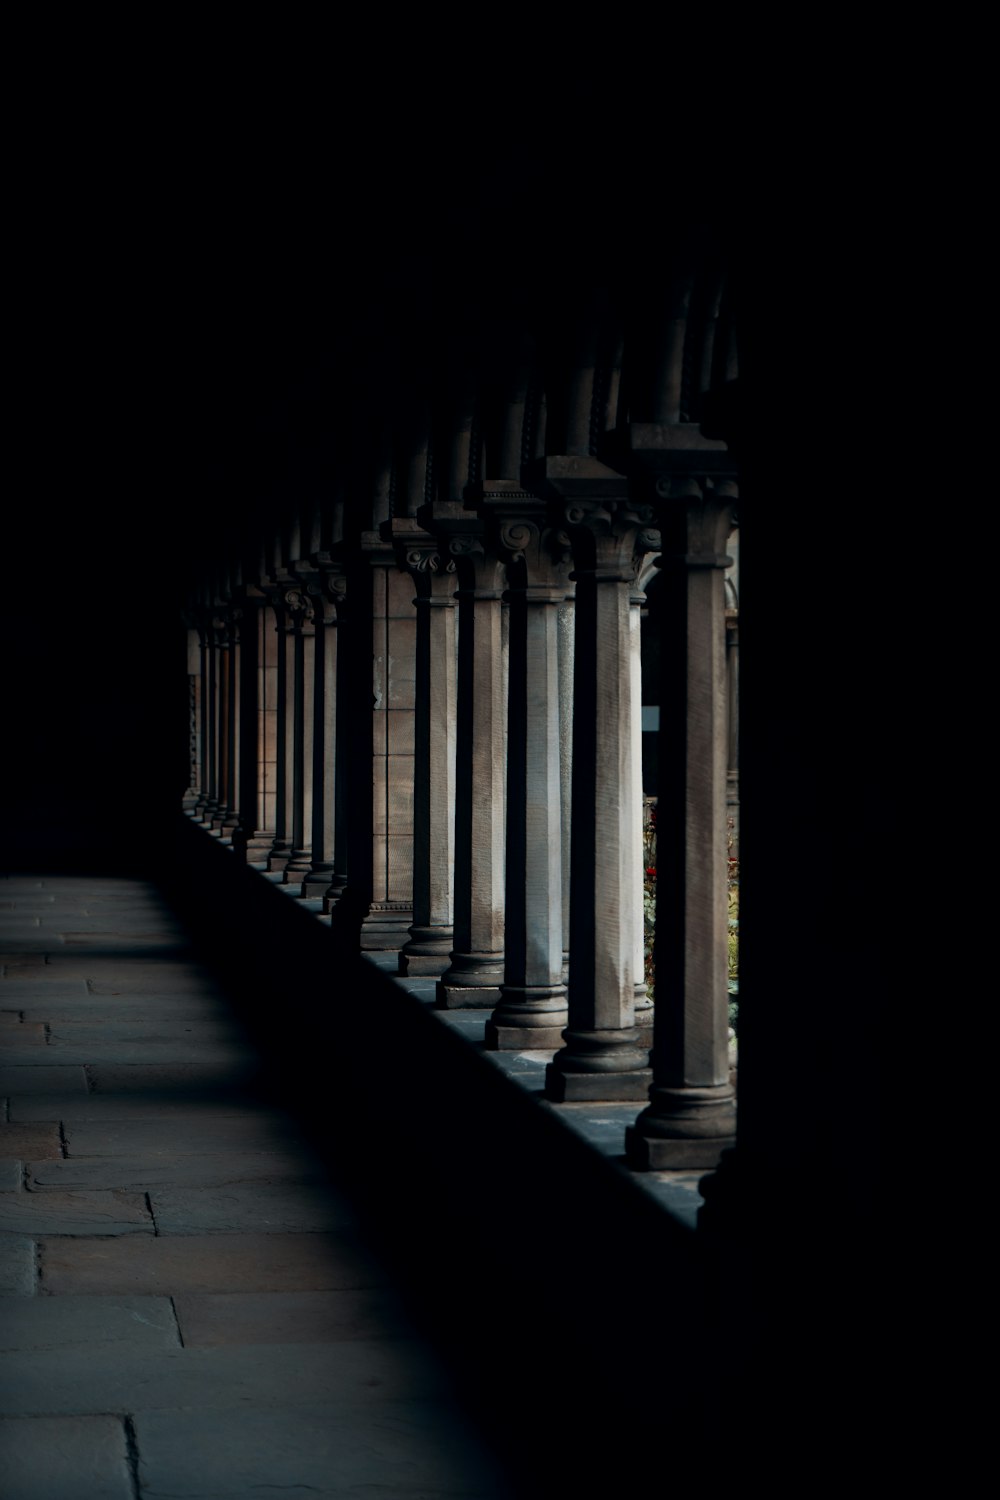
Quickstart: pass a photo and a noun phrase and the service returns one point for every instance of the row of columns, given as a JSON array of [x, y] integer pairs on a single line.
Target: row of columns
[[443, 722]]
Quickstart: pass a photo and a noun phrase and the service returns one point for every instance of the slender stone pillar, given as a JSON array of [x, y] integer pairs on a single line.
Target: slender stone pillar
[[319, 879], [475, 971], [432, 934], [604, 1056], [567, 619], [531, 1011], [204, 711], [253, 838], [212, 804], [300, 606], [643, 1003], [691, 1115], [285, 747], [231, 815], [377, 904], [191, 800]]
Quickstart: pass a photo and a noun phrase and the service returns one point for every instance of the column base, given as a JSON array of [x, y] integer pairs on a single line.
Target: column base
[[573, 1088], [529, 1018], [428, 950], [654, 1154], [522, 1038], [385, 927], [317, 882], [608, 1063], [278, 859], [466, 996], [682, 1127], [471, 982]]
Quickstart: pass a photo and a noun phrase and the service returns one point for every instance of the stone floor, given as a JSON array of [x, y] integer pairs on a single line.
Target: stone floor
[[188, 1305]]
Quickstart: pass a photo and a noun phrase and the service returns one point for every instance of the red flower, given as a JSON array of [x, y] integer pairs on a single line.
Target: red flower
[[650, 869]]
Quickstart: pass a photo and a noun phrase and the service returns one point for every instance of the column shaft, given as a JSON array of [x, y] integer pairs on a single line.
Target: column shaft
[[691, 1115], [604, 1057]]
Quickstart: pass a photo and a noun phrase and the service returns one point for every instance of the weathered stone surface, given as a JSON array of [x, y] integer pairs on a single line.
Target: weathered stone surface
[[81, 1322], [146, 1172], [64, 1458], [96, 1010], [106, 1034], [261, 1207], [211, 1080], [30, 1141], [290, 1317], [159, 1051], [17, 1265], [135, 1106], [177, 1136], [11, 1176], [211, 1379], [65, 1079], [352, 1450], [36, 987], [16, 1032], [206, 1263], [75, 1213]]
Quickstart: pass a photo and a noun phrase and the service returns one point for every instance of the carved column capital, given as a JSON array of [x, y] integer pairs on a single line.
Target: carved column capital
[[610, 537], [299, 608]]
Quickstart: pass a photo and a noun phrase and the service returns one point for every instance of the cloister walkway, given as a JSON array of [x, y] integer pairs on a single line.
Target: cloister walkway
[[190, 1305]]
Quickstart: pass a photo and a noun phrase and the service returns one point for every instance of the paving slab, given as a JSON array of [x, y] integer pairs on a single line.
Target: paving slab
[[206, 1263], [143, 1173], [95, 1010], [136, 1106], [14, 1029], [350, 1450], [11, 1176], [118, 1379], [64, 1078], [17, 1265], [64, 1458], [290, 1317], [78, 1322], [267, 1208], [30, 1141], [209, 1080], [43, 981], [102, 1037], [75, 1213], [158, 1052], [178, 1136]]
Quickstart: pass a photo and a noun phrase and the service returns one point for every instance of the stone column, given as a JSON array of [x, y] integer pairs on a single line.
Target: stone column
[[285, 746], [567, 619], [691, 1115], [604, 1056], [643, 1003], [320, 877], [531, 1011], [199, 812], [432, 934], [475, 971], [377, 904], [300, 606], [231, 813], [256, 637], [213, 803]]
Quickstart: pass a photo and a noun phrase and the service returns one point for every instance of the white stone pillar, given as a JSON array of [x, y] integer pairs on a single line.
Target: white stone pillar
[[300, 605], [318, 880], [285, 742], [475, 971], [691, 1115], [432, 934], [604, 1056], [531, 1011]]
